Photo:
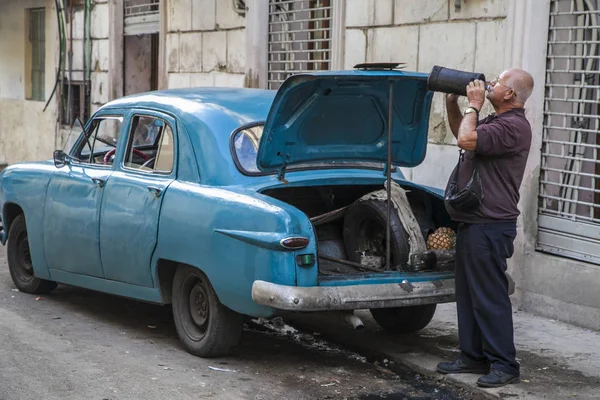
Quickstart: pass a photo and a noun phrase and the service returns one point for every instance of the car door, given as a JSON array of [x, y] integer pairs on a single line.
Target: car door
[[74, 197], [133, 198]]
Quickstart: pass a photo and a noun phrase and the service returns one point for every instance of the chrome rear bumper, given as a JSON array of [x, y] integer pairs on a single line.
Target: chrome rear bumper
[[322, 298]]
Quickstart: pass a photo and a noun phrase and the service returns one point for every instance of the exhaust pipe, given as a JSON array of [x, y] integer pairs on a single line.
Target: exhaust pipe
[[354, 321]]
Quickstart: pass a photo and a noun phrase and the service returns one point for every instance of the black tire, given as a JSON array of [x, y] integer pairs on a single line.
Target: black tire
[[213, 329], [19, 260], [404, 319], [365, 231]]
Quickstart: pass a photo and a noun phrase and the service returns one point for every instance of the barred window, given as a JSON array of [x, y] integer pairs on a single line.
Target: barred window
[[569, 202], [141, 17], [299, 38], [36, 18]]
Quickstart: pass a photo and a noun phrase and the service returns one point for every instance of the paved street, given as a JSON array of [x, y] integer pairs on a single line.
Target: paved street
[[79, 344]]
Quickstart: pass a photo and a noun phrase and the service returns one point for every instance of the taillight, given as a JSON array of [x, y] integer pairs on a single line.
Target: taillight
[[294, 243]]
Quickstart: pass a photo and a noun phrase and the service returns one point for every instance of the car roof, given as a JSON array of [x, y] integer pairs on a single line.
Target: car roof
[[210, 115], [238, 105]]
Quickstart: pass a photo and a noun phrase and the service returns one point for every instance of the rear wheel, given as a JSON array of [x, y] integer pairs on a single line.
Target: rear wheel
[[404, 319], [205, 326], [19, 260]]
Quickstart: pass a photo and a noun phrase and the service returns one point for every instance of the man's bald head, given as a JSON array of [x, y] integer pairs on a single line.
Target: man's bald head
[[520, 81]]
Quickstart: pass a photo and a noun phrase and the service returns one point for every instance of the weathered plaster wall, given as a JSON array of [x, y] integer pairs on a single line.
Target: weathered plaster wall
[[100, 54], [205, 44], [25, 132], [99, 65]]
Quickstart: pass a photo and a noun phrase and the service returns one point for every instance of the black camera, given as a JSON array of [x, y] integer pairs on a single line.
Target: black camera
[[448, 80]]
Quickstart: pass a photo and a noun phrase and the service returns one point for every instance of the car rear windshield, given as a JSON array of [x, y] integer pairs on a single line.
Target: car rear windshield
[[244, 147]]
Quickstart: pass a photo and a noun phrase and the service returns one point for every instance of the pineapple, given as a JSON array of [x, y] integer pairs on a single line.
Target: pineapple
[[442, 239]]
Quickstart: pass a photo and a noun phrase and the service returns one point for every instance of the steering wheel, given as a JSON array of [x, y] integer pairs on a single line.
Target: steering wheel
[[112, 151]]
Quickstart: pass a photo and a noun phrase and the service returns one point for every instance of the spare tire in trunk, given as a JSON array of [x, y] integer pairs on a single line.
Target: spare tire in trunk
[[365, 234]]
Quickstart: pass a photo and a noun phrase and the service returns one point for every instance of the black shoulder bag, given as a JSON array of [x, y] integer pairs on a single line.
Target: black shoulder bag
[[470, 198]]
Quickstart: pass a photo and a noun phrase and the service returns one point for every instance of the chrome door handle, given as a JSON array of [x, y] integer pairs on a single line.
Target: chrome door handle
[[156, 190], [99, 182]]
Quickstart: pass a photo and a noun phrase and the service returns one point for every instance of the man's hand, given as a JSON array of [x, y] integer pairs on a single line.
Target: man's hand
[[476, 94]]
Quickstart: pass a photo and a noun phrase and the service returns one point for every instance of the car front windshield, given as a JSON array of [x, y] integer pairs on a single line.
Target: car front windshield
[[245, 150]]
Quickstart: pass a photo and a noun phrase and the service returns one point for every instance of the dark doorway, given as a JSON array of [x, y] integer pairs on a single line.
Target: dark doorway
[[140, 63]]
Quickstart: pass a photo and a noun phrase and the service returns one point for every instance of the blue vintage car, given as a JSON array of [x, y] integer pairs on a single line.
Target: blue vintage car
[[228, 203]]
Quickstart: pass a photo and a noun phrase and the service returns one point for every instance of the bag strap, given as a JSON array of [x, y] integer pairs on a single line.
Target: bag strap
[[461, 154]]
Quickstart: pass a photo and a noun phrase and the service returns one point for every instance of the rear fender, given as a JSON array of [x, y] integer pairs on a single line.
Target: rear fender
[[203, 227]]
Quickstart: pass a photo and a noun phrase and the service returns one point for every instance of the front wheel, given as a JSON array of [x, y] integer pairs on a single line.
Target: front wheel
[[205, 326], [404, 319], [19, 260]]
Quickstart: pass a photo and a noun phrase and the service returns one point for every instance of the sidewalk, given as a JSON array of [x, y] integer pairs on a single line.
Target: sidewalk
[[558, 361]]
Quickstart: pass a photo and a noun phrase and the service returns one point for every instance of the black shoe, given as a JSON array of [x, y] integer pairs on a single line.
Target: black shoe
[[497, 378], [461, 367]]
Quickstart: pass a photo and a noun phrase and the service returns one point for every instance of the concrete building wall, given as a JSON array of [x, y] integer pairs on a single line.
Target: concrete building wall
[[100, 20], [99, 64], [205, 44], [26, 133]]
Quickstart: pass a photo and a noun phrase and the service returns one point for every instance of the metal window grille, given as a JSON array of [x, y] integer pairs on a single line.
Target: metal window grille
[[299, 38], [37, 40], [569, 202], [136, 8], [141, 17], [80, 103]]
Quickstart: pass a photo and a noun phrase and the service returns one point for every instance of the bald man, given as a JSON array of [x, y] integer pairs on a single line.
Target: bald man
[[498, 147]]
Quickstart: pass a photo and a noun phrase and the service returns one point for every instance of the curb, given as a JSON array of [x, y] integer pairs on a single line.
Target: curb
[[377, 344]]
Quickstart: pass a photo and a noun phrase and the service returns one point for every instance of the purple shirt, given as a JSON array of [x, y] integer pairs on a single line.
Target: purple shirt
[[502, 148]]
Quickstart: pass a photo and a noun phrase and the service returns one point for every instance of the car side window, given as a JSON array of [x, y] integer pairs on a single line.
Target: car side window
[[99, 143], [166, 152], [246, 146], [151, 145]]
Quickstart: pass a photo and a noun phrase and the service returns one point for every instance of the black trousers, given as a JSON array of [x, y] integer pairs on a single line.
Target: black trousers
[[485, 325]]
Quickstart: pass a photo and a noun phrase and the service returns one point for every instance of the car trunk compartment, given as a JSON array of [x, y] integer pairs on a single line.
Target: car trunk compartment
[[327, 207]]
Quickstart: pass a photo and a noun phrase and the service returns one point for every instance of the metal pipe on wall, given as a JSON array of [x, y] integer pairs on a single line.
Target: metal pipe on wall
[[84, 56], [88, 56], [60, 52], [70, 66]]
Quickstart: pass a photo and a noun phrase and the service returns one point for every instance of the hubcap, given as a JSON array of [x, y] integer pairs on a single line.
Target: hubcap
[[198, 304], [24, 254]]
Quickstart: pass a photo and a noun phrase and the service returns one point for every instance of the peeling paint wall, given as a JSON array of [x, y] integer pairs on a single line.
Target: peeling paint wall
[[205, 44], [99, 60], [25, 132], [100, 54]]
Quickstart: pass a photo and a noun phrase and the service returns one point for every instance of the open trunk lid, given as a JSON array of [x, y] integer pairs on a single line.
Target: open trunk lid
[[342, 115]]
